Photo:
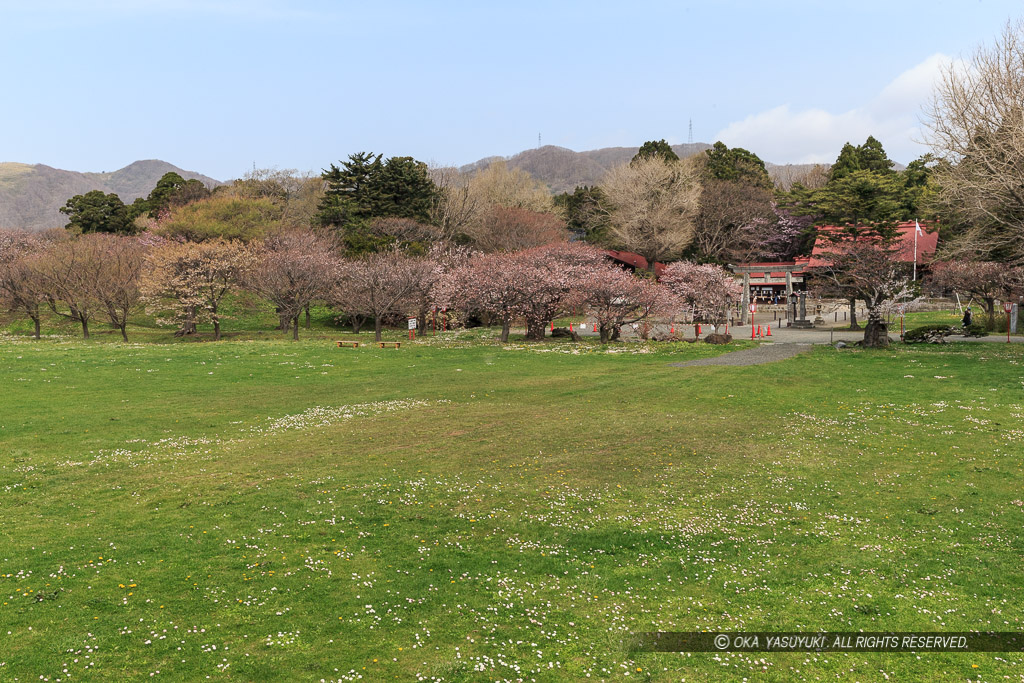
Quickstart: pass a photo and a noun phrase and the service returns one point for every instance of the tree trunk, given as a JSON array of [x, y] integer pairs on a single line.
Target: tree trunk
[[506, 327], [990, 310], [876, 332], [35, 322], [307, 316], [535, 329], [295, 329], [357, 323], [606, 332], [216, 329], [378, 325], [124, 331], [853, 315], [284, 322], [421, 321], [189, 326], [616, 333], [85, 326]]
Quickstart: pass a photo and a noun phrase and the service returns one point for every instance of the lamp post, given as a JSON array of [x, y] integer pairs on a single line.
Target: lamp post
[[1007, 306]]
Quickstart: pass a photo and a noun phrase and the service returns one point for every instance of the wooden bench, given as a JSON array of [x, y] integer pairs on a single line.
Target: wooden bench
[[351, 344], [394, 345]]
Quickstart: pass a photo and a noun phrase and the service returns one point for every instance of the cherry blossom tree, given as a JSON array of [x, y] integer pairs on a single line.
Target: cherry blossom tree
[[869, 272], [114, 284], [550, 276], [442, 258], [195, 277], [985, 280], [66, 269], [292, 270], [491, 284], [616, 298], [378, 285], [707, 290], [21, 288], [535, 284], [767, 239]]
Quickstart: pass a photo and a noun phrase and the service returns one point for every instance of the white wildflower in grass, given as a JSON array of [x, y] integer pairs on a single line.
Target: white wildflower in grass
[[323, 416]]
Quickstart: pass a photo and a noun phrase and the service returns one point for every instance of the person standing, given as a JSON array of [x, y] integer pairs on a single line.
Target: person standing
[[967, 317]]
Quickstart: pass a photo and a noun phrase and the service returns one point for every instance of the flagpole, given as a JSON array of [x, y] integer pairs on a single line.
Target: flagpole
[[917, 229]]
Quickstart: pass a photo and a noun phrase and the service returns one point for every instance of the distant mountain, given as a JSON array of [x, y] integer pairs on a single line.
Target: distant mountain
[[31, 196], [562, 170]]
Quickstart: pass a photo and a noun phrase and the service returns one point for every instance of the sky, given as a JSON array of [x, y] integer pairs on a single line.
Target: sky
[[222, 86]]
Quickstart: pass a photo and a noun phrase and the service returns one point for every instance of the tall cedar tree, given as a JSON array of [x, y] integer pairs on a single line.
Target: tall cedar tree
[[864, 197], [723, 163], [656, 148], [95, 211], [364, 188]]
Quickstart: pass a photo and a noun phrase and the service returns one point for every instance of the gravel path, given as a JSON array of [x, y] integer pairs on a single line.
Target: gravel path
[[765, 353]]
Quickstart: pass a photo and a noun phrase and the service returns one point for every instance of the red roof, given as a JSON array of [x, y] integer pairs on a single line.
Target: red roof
[[926, 243], [635, 260], [800, 262]]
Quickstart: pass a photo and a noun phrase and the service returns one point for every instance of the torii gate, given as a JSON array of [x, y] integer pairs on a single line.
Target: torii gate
[[745, 269]]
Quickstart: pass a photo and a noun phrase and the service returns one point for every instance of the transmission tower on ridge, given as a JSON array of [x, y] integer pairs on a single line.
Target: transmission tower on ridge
[[538, 140], [690, 138]]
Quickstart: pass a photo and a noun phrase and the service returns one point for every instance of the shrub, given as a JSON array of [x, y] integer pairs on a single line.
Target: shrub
[[928, 334], [975, 330]]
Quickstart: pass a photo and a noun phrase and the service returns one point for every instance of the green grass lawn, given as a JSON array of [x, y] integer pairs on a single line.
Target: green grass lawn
[[462, 510]]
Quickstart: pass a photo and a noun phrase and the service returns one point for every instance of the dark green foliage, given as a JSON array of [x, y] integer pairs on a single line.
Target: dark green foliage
[[170, 191], [928, 334], [350, 196], [584, 212], [736, 164], [658, 148], [860, 199], [97, 212], [867, 157], [976, 330], [919, 188], [364, 188], [873, 157], [404, 189], [847, 162], [864, 195]]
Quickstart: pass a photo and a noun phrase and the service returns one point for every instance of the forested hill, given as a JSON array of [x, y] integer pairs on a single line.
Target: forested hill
[[31, 195], [563, 169]]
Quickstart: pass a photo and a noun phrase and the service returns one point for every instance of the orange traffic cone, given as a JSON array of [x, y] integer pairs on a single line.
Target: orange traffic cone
[[698, 330], [769, 331], [673, 328], [759, 335]]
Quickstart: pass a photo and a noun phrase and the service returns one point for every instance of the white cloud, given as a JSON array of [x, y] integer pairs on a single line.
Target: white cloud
[[801, 136]]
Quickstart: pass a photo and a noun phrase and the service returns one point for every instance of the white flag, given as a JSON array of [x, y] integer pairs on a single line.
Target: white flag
[[918, 227]]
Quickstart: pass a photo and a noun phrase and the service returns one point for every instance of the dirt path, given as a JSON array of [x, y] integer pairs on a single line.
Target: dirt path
[[765, 353]]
